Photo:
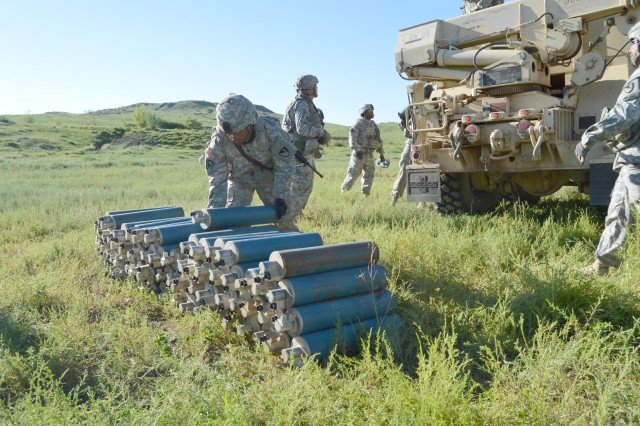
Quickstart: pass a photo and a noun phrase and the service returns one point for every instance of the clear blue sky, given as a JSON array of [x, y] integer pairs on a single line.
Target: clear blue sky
[[77, 56]]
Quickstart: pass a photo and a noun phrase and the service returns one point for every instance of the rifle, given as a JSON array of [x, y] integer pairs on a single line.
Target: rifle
[[301, 159]]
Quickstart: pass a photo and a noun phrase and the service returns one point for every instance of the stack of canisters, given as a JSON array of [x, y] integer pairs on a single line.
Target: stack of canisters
[[294, 295]]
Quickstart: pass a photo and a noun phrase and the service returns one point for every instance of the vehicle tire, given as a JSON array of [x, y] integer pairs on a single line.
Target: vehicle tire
[[459, 196]]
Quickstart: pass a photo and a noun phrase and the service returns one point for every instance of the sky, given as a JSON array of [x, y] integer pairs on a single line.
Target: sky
[[79, 56]]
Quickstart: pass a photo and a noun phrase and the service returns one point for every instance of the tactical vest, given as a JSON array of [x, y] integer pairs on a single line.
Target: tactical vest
[[289, 122]]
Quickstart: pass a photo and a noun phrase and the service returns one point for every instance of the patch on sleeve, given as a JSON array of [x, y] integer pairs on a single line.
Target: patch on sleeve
[[630, 87], [284, 152], [631, 90], [209, 153]]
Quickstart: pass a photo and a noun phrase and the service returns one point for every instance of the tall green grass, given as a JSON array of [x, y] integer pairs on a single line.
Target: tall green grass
[[500, 328]]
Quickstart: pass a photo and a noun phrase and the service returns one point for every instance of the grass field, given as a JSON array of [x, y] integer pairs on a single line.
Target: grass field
[[500, 328]]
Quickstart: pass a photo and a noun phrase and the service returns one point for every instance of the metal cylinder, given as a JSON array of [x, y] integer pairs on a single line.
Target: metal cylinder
[[320, 343], [241, 268], [306, 289], [211, 245], [115, 220], [241, 251], [329, 314], [228, 217], [304, 261], [221, 241], [171, 233], [112, 212], [441, 73], [195, 237], [470, 58], [129, 226]]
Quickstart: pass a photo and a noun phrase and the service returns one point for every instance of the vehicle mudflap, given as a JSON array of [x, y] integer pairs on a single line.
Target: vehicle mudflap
[[602, 177], [423, 183]]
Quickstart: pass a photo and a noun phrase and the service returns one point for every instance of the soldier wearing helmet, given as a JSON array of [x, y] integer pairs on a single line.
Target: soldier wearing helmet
[[305, 123], [364, 139], [619, 129], [248, 154]]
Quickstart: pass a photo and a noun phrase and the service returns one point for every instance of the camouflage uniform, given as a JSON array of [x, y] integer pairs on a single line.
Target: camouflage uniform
[[364, 139], [469, 6], [304, 122], [269, 146], [401, 180], [620, 130], [217, 183]]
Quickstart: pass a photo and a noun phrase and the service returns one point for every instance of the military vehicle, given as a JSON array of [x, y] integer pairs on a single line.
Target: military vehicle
[[501, 96]]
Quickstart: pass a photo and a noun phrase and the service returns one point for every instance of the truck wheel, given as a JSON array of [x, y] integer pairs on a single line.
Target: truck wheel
[[458, 196]]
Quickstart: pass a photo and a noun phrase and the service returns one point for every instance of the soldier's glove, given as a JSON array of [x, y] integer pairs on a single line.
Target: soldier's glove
[[281, 208], [318, 153], [581, 152], [359, 155], [382, 162], [325, 138]]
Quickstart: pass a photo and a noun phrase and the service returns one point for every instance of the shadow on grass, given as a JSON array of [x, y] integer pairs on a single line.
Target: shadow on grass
[[505, 322], [16, 333]]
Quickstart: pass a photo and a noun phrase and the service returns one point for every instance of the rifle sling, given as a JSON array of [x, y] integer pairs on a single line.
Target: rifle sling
[[251, 159]]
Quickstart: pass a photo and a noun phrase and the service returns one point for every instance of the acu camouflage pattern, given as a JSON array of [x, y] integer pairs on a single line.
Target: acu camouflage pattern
[[304, 122], [626, 192], [405, 159], [401, 179], [364, 138], [237, 112], [620, 130], [217, 182], [271, 147]]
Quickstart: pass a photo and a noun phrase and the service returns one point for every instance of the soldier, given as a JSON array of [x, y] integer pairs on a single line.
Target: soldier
[[469, 6], [253, 154], [364, 139], [618, 129], [304, 122], [405, 159]]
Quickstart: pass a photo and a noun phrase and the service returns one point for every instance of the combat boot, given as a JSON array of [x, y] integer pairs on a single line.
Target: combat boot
[[596, 268]]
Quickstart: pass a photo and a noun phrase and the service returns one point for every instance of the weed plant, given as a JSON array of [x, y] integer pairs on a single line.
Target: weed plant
[[499, 326]]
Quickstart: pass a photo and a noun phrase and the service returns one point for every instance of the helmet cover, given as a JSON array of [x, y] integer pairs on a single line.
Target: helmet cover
[[234, 113]]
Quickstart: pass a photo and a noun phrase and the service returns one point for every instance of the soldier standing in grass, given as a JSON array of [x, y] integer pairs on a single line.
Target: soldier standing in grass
[[619, 129], [364, 139], [405, 159], [304, 122], [252, 154]]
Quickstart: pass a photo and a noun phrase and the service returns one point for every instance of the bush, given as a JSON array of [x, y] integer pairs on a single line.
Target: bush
[[104, 137], [193, 124], [144, 118]]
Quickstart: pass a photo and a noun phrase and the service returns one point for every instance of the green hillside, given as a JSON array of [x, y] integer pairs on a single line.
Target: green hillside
[[184, 125]]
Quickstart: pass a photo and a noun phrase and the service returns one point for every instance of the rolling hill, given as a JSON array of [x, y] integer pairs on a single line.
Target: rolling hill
[[183, 124]]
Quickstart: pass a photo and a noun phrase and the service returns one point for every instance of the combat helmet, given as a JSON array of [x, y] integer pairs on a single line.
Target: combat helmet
[[306, 82], [634, 33], [234, 113], [365, 107]]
